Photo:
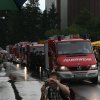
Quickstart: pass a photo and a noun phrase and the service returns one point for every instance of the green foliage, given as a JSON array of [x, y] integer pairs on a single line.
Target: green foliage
[[24, 25], [30, 24], [45, 21], [52, 32], [31, 20], [84, 18], [52, 16], [86, 23], [74, 29], [50, 22], [34, 3]]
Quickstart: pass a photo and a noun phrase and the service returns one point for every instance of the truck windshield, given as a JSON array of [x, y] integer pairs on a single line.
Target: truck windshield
[[39, 49], [79, 47]]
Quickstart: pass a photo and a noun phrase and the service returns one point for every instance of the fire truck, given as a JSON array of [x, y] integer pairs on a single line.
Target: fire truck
[[72, 58], [21, 51]]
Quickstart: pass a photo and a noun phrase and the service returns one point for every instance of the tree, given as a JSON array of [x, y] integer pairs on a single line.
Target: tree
[[45, 21], [21, 25], [84, 24], [30, 21], [51, 22], [86, 20], [53, 18], [89, 24], [52, 32]]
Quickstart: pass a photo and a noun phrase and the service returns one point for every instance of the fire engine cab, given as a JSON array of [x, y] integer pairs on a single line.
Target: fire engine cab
[[72, 58]]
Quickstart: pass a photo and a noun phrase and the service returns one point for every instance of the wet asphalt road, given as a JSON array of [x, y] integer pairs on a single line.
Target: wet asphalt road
[[30, 89], [85, 90]]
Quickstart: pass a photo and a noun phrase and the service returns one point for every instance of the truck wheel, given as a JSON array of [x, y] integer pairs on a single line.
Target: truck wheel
[[94, 80]]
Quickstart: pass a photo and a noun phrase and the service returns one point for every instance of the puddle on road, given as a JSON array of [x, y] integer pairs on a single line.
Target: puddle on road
[[25, 73], [18, 66], [16, 73], [22, 74]]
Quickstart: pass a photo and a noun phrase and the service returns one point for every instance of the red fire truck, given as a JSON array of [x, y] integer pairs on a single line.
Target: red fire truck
[[72, 58], [20, 52]]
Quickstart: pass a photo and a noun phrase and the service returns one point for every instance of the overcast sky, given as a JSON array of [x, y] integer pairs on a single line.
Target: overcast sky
[[42, 4]]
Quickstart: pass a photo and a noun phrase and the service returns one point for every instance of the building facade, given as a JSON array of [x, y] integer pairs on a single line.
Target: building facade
[[76, 6], [69, 10]]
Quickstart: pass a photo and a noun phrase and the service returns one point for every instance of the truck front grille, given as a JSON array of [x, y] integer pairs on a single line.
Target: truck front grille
[[79, 68]]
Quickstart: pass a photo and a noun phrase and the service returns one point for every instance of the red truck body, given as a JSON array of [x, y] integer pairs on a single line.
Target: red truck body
[[71, 58]]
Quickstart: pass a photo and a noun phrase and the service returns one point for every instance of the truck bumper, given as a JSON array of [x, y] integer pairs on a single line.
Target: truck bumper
[[78, 74]]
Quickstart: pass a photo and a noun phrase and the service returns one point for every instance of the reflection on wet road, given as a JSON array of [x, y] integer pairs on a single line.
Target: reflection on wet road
[[86, 90], [29, 87]]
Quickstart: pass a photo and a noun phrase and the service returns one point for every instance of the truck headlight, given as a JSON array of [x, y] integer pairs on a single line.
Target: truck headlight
[[93, 67], [17, 59], [63, 68]]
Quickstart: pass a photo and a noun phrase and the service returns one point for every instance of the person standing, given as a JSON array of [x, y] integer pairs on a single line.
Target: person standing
[[96, 52], [53, 89], [41, 62], [37, 65], [32, 62]]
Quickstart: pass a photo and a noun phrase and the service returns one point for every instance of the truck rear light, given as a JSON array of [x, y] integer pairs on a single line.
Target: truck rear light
[[64, 68], [93, 67]]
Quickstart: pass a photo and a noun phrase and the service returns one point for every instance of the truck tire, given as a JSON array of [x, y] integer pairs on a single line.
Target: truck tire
[[94, 80]]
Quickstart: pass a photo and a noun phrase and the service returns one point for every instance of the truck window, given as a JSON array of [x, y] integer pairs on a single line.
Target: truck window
[[39, 48], [74, 47]]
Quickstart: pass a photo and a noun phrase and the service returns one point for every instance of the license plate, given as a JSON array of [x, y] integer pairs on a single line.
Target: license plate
[[79, 75]]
